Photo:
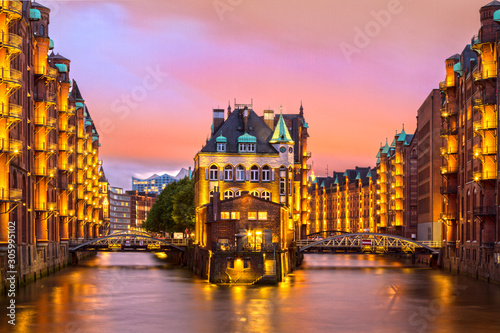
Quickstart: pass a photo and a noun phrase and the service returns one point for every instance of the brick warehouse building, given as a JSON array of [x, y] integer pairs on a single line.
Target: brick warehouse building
[[49, 173], [264, 157], [343, 202], [470, 141]]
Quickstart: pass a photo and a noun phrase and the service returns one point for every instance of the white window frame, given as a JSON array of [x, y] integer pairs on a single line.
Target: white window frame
[[228, 173], [213, 172], [228, 194], [254, 173], [240, 173], [221, 146], [255, 193], [266, 173], [266, 195]]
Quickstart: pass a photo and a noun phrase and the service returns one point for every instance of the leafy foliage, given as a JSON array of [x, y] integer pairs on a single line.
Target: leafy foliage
[[174, 209]]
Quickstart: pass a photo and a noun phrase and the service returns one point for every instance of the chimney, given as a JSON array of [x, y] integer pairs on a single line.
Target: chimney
[[245, 118], [218, 119], [269, 118]]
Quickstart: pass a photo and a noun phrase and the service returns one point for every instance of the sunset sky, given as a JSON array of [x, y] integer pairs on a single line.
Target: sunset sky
[[356, 90]]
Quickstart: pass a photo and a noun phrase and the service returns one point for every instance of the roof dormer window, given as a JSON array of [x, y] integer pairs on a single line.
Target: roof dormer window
[[247, 143], [221, 143]]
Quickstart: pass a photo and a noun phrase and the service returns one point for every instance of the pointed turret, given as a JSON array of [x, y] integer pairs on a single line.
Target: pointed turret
[[402, 135], [281, 134]]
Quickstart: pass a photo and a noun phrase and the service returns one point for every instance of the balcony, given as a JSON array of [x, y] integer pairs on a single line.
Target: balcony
[[448, 131], [45, 206], [45, 147], [445, 170], [67, 109], [448, 150], [448, 190], [448, 216], [46, 72], [487, 150], [66, 212], [12, 77], [67, 167], [44, 96], [11, 146], [484, 175], [12, 42], [45, 122], [307, 155], [13, 9], [484, 125], [485, 211], [11, 111], [442, 85], [64, 127], [11, 194], [45, 172]]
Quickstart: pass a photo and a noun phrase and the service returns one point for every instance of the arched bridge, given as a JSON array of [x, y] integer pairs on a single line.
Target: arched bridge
[[326, 233], [365, 242], [129, 241]]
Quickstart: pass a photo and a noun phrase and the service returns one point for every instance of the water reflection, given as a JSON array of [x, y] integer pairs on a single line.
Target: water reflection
[[131, 292]]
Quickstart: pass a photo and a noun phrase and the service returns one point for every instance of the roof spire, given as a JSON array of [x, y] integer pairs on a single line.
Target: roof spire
[[301, 109], [281, 134]]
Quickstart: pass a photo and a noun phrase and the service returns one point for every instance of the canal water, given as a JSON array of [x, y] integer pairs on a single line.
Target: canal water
[[138, 292]]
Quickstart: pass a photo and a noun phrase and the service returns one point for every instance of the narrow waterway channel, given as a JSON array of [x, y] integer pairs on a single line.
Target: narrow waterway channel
[[137, 292]]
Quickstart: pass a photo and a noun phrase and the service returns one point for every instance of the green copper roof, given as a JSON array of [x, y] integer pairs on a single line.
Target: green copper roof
[[281, 134], [35, 14], [496, 16], [62, 68], [378, 154], [378, 160], [358, 176], [306, 125], [221, 139], [247, 138], [458, 68], [88, 123], [51, 44], [393, 144], [322, 184], [402, 135], [369, 174], [79, 105], [336, 180], [385, 150]]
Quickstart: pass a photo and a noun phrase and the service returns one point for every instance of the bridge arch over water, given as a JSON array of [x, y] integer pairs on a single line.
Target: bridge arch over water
[[366, 242]]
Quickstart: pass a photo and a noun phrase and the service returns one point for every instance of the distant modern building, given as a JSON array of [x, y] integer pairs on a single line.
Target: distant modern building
[[140, 206], [155, 183], [119, 210]]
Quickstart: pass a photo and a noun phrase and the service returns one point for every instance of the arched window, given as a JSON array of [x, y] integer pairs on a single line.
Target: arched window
[[266, 195], [240, 173], [254, 173], [214, 172], [266, 173], [228, 194], [255, 194], [237, 193], [42, 30], [228, 173]]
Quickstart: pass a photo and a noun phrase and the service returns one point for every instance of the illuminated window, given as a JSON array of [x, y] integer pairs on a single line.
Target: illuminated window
[[252, 215], [224, 215], [240, 173], [266, 195], [254, 173], [266, 173], [237, 193], [235, 215], [255, 193], [262, 215], [228, 173], [228, 194], [282, 186], [214, 173]]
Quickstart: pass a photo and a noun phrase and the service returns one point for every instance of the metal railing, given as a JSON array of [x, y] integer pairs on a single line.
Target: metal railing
[[485, 210], [45, 172], [44, 96], [448, 189], [448, 150], [11, 145], [448, 169], [45, 146], [45, 206], [11, 76], [13, 7], [12, 41], [485, 125], [11, 110], [11, 194], [484, 175]]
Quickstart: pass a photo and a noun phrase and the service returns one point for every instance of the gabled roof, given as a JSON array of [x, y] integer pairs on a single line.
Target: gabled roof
[[234, 128], [491, 4], [103, 178], [281, 134], [36, 4], [75, 92], [402, 135], [57, 56], [385, 149]]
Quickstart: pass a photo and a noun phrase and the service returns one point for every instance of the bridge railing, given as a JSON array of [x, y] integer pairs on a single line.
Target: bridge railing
[[434, 244]]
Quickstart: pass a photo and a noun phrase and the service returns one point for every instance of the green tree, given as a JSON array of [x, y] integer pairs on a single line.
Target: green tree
[[174, 209]]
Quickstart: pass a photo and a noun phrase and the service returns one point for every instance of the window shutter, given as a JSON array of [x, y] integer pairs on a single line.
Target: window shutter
[[272, 174], [248, 175], [206, 174], [221, 174]]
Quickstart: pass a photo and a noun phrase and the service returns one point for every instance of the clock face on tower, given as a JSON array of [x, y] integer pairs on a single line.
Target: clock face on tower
[[283, 149]]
